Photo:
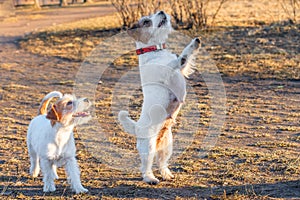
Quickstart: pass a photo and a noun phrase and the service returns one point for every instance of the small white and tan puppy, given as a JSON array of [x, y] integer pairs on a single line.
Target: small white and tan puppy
[[50, 139], [164, 88]]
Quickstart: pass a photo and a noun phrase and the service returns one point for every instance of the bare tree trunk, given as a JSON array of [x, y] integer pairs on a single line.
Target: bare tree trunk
[[63, 3], [88, 1], [37, 4]]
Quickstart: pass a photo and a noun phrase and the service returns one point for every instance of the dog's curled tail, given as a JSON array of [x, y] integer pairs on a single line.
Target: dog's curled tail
[[46, 100], [127, 123]]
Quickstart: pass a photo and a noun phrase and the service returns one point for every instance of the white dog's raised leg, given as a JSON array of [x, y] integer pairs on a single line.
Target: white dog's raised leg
[[74, 175], [187, 55], [189, 50], [49, 175]]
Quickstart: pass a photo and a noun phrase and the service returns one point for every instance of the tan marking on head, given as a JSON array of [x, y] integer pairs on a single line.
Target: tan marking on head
[[60, 110], [54, 113]]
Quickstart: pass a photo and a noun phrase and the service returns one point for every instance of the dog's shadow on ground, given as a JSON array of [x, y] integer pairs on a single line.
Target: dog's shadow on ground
[[291, 188], [19, 187]]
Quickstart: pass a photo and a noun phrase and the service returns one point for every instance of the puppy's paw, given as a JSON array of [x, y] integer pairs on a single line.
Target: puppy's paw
[[49, 187], [34, 170], [150, 179], [166, 174], [79, 189], [35, 173]]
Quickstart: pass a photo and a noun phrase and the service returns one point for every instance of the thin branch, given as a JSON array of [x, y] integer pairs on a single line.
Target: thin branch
[[217, 11]]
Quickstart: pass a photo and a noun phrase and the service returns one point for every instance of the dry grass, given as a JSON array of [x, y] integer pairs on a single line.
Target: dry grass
[[256, 156]]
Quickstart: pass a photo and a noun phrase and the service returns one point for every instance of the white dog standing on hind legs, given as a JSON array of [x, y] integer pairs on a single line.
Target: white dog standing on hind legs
[[50, 139], [164, 89]]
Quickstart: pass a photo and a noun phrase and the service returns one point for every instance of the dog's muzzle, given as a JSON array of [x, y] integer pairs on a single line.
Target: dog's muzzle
[[163, 16]]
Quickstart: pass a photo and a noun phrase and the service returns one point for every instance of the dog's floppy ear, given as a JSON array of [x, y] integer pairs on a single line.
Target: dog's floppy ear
[[134, 31], [53, 114], [137, 33]]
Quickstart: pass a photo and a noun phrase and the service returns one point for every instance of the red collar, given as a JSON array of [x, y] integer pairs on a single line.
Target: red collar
[[150, 49]]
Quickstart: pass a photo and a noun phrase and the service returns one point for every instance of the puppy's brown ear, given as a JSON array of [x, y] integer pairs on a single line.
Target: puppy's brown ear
[[53, 114]]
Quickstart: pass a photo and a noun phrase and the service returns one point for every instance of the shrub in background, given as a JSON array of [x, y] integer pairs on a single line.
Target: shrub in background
[[187, 14]]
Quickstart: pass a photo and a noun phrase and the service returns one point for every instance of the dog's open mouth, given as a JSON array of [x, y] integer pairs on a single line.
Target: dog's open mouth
[[162, 22], [81, 114]]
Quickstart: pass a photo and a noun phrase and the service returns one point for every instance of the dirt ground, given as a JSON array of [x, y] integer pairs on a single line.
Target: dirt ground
[[256, 155]]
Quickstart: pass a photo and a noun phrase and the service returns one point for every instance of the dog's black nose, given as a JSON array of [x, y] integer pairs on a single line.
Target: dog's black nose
[[161, 12]]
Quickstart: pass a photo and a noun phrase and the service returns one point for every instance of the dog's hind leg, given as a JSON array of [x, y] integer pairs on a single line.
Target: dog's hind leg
[[163, 155], [146, 148], [164, 143], [54, 167], [147, 133], [34, 162], [164, 146]]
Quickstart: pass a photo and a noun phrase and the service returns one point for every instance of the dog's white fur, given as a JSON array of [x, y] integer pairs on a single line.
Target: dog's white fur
[[50, 139], [164, 89]]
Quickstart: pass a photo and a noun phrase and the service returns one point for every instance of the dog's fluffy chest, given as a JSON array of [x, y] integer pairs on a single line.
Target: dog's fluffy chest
[[63, 135], [161, 68], [162, 57], [60, 146], [51, 142]]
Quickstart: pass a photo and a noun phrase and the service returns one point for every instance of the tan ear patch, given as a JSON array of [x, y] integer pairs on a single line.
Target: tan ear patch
[[53, 114]]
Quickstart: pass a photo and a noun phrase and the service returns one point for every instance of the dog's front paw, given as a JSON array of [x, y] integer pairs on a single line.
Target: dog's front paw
[[150, 179], [49, 187], [79, 189], [166, 174], [34, 172]]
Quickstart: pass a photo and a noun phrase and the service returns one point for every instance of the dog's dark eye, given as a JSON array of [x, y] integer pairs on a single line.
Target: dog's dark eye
[[147, 22], [69, 103]]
